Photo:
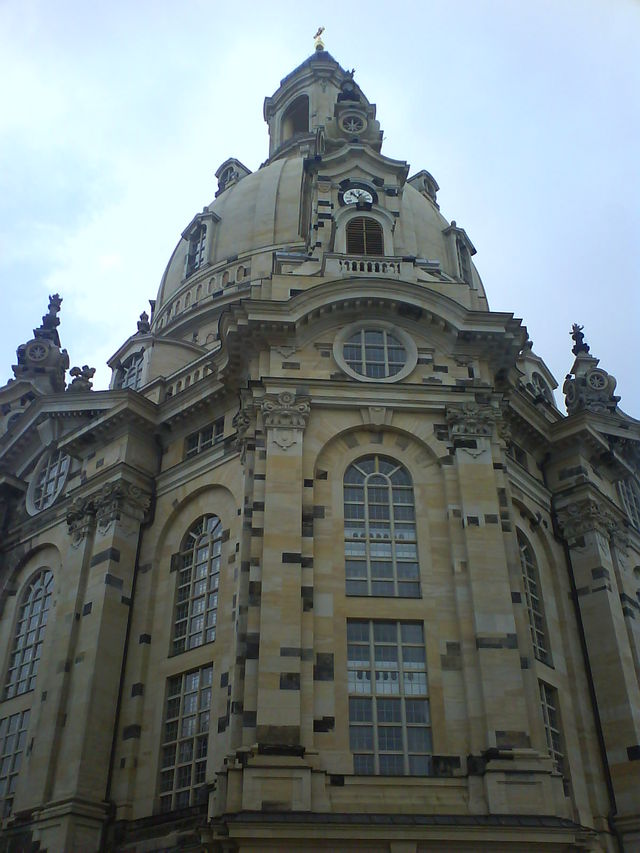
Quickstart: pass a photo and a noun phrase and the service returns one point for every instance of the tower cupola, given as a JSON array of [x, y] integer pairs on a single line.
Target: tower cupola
[[319, 107]]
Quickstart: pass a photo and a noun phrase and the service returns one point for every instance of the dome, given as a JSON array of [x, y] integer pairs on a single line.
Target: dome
[[255, 216], [324, 139]]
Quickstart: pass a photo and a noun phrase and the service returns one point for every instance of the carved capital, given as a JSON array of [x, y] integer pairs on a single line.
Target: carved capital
[[585, 516], [117, 500], [244, 422], [472, 420], [285, 415], [81, 519]]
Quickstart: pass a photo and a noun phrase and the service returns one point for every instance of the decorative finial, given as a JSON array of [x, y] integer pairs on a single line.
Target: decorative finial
[[318, 39], [578, 337], [82, 377], [143, 323]]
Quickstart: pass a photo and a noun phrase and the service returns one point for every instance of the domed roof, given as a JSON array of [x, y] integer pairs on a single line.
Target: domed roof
[[260, 213], [324, 136]]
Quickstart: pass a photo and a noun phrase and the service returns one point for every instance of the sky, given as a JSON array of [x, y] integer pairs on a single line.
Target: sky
[[115, 117]]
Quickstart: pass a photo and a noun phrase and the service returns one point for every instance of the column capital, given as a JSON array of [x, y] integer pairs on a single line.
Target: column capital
[[585, 516], [285, 415], [472, 420]]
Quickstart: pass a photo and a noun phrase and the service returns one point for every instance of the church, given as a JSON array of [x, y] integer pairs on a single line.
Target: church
[[326, 568]]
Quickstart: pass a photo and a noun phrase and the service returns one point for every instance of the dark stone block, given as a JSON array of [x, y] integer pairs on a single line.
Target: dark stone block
[[323, 668], [87, 608], [144, 638], [326, 724], [224, 679], [633, 752], [516, 597], [289, 681], [130, 732], [249, 718], [110, 554], [137, 689], [291, 557]]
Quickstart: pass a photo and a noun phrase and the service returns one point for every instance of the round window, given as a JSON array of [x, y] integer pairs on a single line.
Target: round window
[[48, 480], [375, 353]]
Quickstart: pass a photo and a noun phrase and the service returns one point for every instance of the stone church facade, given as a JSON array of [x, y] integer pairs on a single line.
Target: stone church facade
[[326, 569]]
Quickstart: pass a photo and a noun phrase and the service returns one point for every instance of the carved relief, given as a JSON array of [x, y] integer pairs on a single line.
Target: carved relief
[[285, 415], [471, 420], [81, 520], [586, 516], [115, 500], [104, 507], [244, 422]]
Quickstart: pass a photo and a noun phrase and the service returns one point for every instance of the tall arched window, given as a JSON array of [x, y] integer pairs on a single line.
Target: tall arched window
[[381, 554], [29, 634], [364, 236], [533, 597], [198, 579]]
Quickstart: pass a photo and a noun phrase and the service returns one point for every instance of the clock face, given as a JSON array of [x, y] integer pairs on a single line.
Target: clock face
[[356, 194]]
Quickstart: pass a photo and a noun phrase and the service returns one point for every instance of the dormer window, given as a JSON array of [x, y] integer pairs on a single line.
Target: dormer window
[[364, 236], [130, 373], [296, 118], [197, 244]]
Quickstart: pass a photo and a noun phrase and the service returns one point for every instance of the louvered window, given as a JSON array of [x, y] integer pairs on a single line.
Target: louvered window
[[364, 236]]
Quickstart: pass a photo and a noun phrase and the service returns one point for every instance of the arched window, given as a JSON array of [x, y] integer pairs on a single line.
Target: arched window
[[198, 578], [364, 236], [381, 554], [533, 597], [29, 634], [296, 118]]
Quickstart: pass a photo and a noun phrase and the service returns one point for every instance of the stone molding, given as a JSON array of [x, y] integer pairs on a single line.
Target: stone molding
[[285, 416], [471, 420]]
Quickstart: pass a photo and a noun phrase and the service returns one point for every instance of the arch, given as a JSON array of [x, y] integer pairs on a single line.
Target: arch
[[197, 584], [347, 214], [295, 118], [380, 534], [533, 598], [28, 634]]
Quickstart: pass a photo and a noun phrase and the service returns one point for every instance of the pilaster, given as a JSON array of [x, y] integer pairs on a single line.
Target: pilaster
[[588, 527], [284, 416], [78, 717]]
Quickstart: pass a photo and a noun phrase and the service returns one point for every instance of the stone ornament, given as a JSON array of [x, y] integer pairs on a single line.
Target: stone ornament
[[585, 516], [285, 415], [472, 420], [104, 507], [590, 387], [82, 377], [80, 520]]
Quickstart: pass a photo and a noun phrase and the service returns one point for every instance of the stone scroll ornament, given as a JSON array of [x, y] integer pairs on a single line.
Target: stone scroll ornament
[[472, 420], [285, 416], [112, 502], [586, 516]]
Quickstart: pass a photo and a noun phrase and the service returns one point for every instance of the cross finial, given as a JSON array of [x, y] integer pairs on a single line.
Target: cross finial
[[318, 39]]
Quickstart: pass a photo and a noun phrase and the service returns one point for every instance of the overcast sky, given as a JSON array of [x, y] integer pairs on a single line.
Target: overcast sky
[[115, 117]]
